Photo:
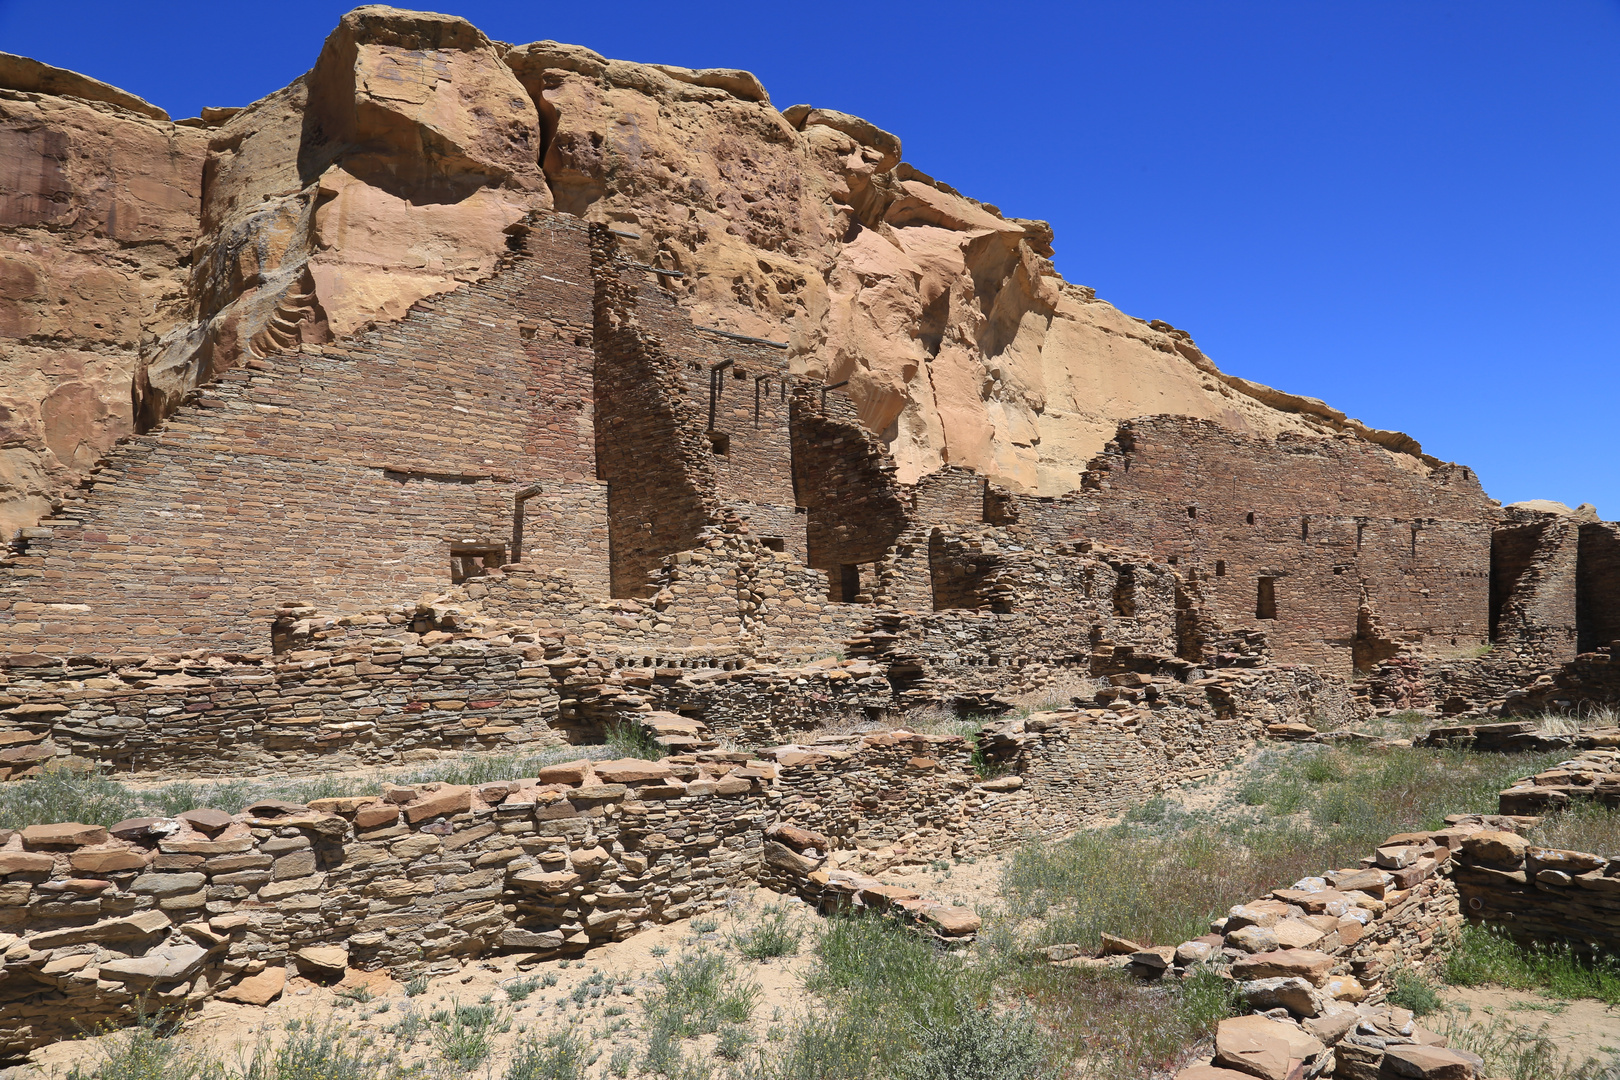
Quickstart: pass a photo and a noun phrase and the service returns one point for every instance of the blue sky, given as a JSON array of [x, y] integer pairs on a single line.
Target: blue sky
[[1410, 210]]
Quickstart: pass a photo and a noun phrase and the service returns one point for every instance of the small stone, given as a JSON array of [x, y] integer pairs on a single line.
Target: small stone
[[165, 963], [206, 820], [630, 771], [450, 799], [1307, 964], [67, 834], [569, 772], [260, 989], [1502, 849], [1118, 946], [106, 862], [135, 828], [25, 862], [1253, 939], [1294, 994], [322, 960], [1430, 1062]]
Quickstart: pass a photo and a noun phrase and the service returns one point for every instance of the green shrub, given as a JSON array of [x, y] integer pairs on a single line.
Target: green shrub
[[1585, 826], [773, 936], [633, 741], [1517, 1052], [977, 1043], [462, 1034], [143, 1052], [1413, 991], [310, 1053], [561, 1055], [697, 994], [1483, 955]]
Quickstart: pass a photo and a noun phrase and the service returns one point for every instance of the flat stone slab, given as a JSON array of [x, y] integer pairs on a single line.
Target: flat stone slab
[[260, 989], [166, 963], [67, 834]]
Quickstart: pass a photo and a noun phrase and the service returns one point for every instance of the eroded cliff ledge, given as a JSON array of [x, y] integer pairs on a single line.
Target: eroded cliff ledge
[[141, 257]]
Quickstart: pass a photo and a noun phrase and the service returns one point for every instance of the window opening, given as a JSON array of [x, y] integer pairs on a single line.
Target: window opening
[[474, 560], [1125, 593], [1220, 567], [849, 583], [1192, 512], [1304, 528], [1251, 517], [720, 444], [1265, 604], [774, 543]]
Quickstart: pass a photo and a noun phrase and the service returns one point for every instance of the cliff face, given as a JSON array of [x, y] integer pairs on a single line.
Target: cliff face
[[141, 257]]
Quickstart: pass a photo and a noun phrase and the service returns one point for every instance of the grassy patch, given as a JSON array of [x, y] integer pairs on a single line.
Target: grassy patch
[[60, 794], [1412, 991], [1163, 874], [309, 1052], [1484, 956], [1119, 1028], [632, 741], [1517, 1052], [562, 1055], [697, 994], [1585, 826], [774, 935]]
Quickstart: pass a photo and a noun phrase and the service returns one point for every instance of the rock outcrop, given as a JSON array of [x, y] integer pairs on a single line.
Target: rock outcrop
[[140, 257]]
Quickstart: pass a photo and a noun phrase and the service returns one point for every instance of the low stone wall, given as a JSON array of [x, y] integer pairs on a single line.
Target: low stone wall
[[1593, 774], [352, 702], [1314, 960], [172, 912], [416, 879]]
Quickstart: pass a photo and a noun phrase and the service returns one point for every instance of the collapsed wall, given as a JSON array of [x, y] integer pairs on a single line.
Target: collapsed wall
[[1315, 960]]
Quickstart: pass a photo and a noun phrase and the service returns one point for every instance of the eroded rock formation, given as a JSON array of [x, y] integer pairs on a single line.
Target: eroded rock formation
[[141, 257]]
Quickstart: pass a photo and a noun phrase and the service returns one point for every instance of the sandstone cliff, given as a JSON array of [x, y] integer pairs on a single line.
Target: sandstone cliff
[[140, 257]]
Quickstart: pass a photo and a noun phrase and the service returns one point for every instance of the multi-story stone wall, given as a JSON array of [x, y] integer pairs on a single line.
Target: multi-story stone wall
[[1296, 535], [1597, 597], [346, 477]]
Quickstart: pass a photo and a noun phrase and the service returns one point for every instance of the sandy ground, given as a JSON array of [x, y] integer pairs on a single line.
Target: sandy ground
[[1581, 1028], [613, 1021]]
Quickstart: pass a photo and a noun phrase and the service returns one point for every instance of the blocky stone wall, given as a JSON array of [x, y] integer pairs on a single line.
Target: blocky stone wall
[[1331, 524], [1315, 957], [340, 476], [176, 911]]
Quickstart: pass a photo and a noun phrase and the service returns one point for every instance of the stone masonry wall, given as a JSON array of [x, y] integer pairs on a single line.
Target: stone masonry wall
[[317, 477], [1294, 535]]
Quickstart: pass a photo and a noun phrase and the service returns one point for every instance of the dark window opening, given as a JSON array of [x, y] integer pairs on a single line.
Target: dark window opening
[[1361, 527], [1192, 511], [848, 585], [474, 560], [774, 543], [1125, 593], [1220, 567], [739, 374], [1175, 560], [1415, 531], [1304, 528], [1265, 604], [1251, 517], [720, 444]]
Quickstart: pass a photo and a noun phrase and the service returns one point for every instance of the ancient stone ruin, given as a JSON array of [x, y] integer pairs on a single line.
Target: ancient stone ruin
[[413, 409]]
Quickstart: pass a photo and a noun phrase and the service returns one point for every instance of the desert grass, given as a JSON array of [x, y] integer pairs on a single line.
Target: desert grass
[[1584, 826], [64, 794], [1485, 956], [1515, 1051], [1163, 873]]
